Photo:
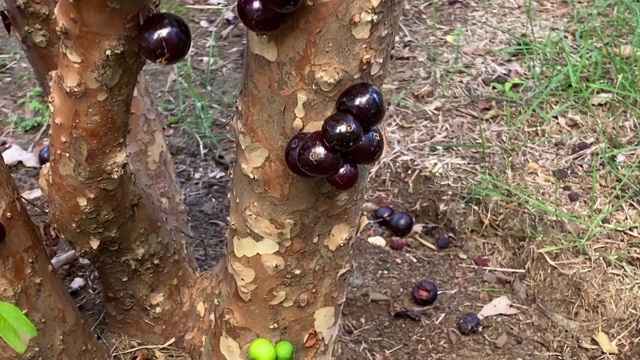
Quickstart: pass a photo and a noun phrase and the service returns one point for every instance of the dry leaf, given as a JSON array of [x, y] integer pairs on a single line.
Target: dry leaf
[[15, 154], [77, 284], [605, 344], [499, 306], [626, 51], [32, 194], [493, 113], [601, 99], [519, 290], [501, 341], [377, 240]]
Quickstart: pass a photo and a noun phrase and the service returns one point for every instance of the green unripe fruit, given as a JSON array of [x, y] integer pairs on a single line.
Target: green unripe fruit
[[261, 349], [284, 350]]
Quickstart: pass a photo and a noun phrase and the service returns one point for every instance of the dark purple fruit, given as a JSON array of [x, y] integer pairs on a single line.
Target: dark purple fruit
[[443, 242], [164, 38], [284, 6], [397, 243], [44, 155], [400, 224], [424, 293], [342, 132], [316, 158], [468, 323], [365, 102], [369, 150], [6, 21], [291, 154], [383, 214], [258, 18], [3, 233], [346, 177]]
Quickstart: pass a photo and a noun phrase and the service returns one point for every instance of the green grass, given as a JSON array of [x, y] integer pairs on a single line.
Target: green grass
[[39, 111], [581, 76]]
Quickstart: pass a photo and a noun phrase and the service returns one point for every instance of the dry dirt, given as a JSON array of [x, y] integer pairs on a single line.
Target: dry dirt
[[581, 297]]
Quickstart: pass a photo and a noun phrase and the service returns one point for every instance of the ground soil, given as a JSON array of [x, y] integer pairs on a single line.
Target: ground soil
[[380, 289]]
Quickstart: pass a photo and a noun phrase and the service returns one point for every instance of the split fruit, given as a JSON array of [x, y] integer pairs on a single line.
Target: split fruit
[[424, 293], [468, 323], [164, 38]]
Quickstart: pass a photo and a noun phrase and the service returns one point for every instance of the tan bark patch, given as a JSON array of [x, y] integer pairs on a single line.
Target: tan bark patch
[[325, 318], [249, 247], [339, 236], [263, 46], [272, 263]]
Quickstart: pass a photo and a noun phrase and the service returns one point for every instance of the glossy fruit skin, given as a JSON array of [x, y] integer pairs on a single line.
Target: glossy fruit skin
[[365, 102], [284, 350], [164, 38], [346, 178], [261, 349], [400, 224], [342, 132], [44, 155], [316, 158], [370, 149], [468, 323], [443, 242], [383, 214], [283, 6], [258, 18], [291, 154], [3, 233], [424, 293]]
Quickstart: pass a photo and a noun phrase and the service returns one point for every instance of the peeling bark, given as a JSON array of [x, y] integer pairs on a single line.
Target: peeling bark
[[28, 281], [35, 26], [118, 203], [290, 238]]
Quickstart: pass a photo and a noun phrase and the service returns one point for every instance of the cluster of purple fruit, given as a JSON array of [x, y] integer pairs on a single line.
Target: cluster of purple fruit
[[265, 16], [348, 138], [399, 223]]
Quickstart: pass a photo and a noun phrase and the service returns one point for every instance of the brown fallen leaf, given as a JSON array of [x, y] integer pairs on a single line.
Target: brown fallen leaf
[[601, 99], [501, 341], [493, 113], [519, 290], [498, 306], [626, 51]]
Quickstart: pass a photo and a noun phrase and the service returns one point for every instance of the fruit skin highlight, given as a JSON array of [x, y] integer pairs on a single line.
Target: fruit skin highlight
[[316, 158], [424, 293], [342, 132], [259, 18], [284, 350], [44, 155], [261, 349], [400, 224], [383, 214], [164, 38], [291, 154], [365, 102], [346, 178]]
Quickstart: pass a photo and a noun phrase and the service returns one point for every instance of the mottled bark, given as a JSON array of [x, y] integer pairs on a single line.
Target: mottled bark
[[35, 26], [290, 238], [117, 203], [28, 281]]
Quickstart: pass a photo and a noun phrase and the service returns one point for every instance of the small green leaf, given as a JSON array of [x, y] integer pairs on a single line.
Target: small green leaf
[[15, 328]]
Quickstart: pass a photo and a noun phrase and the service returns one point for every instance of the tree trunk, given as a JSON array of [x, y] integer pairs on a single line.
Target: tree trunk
[[28, 281], [290, 238]]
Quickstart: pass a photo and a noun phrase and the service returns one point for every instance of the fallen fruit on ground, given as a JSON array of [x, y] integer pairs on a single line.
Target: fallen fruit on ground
[[397, 244], [261, 349], [44, 155], [468, 323], [164, 38], [424, 293], [284, 350], [364, 101], [401, 224], [443, 242], [382, 214]]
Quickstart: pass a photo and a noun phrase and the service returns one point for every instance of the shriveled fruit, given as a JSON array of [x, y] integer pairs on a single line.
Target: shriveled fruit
[[291, 154], [164, 38], [261, 349], [259, 18], [346, 177], [383, 214], [400, 224], [364, 101], [44, 155], [369, 150], [316, 158], [342, 132], [468, 323], [284, 350], [424, 293], [397, 243], [283, 6]]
